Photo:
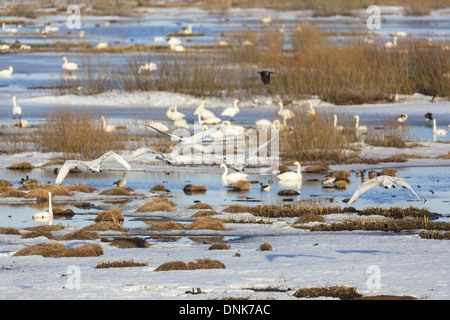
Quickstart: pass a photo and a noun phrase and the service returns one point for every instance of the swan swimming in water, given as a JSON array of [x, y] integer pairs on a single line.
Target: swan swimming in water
[[292, 175], [382, 181], [94, 166], [6, 73], [232, 176], [358, 127], [45, 215], [69, 66], [438, 132]]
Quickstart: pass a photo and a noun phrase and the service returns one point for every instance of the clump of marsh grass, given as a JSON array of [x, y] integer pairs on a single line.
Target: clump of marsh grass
[[164, 225], [219, 246], [58, 250], [78, 135], [207, 223], [120, 264], [200, 205], [341, 292], [194, 265], [80, 235], [9, 230], [114, 215], [126, 242], [265, 247], [159, 204], [435, 234]]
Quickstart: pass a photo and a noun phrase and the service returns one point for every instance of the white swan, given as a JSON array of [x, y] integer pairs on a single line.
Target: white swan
[[174, 41], [177, 48], [402, 117], [232, 129], [69, 66], [311, 111], [173, 114], [231, 111], [187, 30], [9, 30], [158, 125], [45, 215], [51, 29], [4, 47], [391, 44], [204, 113], [25, 47], [358, 127], [16, 110], [149, 66], [285, 113], [160, 156], [438, 132], [102, 45], [382, 181], [6, 73], [292, 175], [263, 124], [336, 127], [107, 127], [210, 120], [276, 124], [181, 123], [232, 176], [267, 20], [94, 165]]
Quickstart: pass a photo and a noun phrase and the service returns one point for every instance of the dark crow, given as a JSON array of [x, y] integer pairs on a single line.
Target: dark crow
[[265, 76]]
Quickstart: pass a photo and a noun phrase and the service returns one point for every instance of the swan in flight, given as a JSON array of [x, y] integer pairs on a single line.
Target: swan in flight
[[291, 175], [173, 114], [149, 66], [16, 110], [94, 165], [438, 132], [382, 181], [6, 73], [160, 156], [231, 111], [69, 66], [402, 117], [45, 215], [358, 127], [188, 140], [107, 127], [232, 176], [336, 127], [203, 112]]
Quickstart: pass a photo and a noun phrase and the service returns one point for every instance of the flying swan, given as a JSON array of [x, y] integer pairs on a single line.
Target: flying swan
[[94, 165], [382, 181]]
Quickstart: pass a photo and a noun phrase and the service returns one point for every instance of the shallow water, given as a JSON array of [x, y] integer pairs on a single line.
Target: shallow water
[[431, 183]]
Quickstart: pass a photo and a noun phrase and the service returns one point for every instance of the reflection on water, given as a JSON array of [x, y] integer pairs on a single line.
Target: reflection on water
[[433, 184]]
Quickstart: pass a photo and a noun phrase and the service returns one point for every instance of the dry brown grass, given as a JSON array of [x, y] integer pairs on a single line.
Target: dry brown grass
[[13, 193], [75, 134], [198, 264], [58, 250], [164, 225], [104, 226], [159, 204], [5, 183], [265, 247], [25, 165], [116, 192], [114, 215], [120, 264], [207, 223], [239, 186], [80, 235], [310, 218], [191, 189], [219, 246], [126, 242], [200, 206], [204, 213], [8, 230], [159, 187], [341, 292]]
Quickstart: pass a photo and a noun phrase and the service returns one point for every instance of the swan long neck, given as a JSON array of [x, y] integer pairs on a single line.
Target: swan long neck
[[104, 122], [225, 173], [14, 101], [357, 122], [50, 210], [298, 169], [335, 121], [434, 124]]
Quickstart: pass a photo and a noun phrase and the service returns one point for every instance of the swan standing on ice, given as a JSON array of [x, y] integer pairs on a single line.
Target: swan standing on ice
[[382, 181], [45, 215], [336, 127], [16, 110], [203, 112], [149, 66], [263, 124], [107, 127], [231, 111], [121, 183], [311, 111], [292, 175], [158, 125], [94, 166], [402, 118], [358, 127], [438, 132], [25, 47], [232, 176], [181, 123], [173, 114], [6, 73], [211, 120], [69, 66]]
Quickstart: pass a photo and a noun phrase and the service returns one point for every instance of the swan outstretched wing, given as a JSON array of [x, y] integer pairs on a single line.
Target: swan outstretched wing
[[205, 133], [402, 182], [366, 185], [69, 164], [177, 138], [111, 155], [138, 152]]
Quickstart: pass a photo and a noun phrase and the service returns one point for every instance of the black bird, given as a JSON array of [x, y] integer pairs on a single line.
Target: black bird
[[428, 117], [265, 76]]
